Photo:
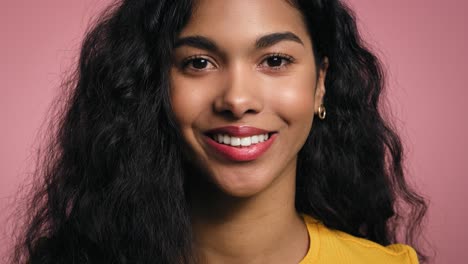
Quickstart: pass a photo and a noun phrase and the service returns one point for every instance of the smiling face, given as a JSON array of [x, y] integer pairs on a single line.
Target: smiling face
[[244, 90]]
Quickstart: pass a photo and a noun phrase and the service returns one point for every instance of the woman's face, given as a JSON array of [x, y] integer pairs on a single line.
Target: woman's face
[[244, 91]]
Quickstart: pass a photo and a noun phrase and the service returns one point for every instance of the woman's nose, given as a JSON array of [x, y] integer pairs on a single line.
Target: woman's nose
[[240, 95]]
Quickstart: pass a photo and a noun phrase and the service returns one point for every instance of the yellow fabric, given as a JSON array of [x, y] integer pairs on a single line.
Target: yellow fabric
[[327, 246]]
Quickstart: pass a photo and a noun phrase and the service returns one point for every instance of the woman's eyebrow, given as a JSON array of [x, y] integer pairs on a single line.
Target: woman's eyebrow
[[262, 42], [199, 42], [271, 39]]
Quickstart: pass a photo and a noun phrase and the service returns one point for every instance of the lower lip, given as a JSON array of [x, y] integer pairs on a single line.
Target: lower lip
[[248, 153]]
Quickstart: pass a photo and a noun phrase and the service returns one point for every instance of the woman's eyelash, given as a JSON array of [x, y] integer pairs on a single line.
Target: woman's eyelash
[[274, 61], [282, 56], [187, 61], [279, 57]]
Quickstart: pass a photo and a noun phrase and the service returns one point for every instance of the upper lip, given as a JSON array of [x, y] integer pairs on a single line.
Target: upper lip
[[238, 131]]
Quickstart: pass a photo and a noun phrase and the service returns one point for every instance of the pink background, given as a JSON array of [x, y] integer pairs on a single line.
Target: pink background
[[421, 42]]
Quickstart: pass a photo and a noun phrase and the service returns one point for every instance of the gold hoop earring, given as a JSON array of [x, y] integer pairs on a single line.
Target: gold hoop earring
[[322, 112]]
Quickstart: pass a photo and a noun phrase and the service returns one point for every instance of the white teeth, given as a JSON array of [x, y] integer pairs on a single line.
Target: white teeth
[[261, 138], [226, 140], [254, 139], [240, 142], [235, 141], [247, 141]]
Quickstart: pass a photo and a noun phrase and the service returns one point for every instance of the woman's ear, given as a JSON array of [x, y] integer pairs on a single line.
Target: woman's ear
[[320, 86]]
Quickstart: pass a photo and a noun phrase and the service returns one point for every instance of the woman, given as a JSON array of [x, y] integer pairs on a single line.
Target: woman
[[216, 131]]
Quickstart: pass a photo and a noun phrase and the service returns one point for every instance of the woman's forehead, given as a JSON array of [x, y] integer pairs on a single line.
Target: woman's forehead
[[233, 21]]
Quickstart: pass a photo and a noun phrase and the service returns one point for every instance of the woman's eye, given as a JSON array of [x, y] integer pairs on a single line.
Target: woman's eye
[[274, 61], [197, 64], [277, 61]]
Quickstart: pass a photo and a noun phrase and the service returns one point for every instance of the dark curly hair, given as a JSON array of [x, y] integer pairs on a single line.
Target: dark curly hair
[[110, 185]]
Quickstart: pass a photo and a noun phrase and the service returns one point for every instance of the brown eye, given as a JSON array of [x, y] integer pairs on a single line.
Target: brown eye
[[274, 61], [277, 61], [197, 64]]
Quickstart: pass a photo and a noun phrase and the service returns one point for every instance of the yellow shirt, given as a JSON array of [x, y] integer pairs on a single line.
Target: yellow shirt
[[329, 246]]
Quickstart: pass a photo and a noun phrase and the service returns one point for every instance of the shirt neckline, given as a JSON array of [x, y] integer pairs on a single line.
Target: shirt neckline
[[314, 240]]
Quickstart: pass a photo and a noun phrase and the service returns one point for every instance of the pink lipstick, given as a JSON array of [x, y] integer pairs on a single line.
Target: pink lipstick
[[239, 143]]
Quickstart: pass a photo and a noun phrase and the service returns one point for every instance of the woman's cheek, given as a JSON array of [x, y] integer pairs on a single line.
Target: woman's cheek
[[294, 100], [189, 98]]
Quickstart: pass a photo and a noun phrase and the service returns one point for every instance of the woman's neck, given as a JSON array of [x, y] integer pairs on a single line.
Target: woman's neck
[[264, 228]]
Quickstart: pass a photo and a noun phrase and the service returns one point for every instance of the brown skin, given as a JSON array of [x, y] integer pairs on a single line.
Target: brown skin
[[247, 213]]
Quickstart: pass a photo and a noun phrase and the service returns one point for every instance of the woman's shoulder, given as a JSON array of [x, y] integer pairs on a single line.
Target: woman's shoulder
[[334, 246]]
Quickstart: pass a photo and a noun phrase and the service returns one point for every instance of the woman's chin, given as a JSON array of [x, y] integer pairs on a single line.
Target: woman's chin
[[236, 180], [241, 186], [240, 191]]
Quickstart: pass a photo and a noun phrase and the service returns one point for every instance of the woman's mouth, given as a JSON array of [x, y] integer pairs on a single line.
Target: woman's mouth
[[239, 143]]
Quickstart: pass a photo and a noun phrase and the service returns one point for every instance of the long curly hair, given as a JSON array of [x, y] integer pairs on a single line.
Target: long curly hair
[[110, 185]]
